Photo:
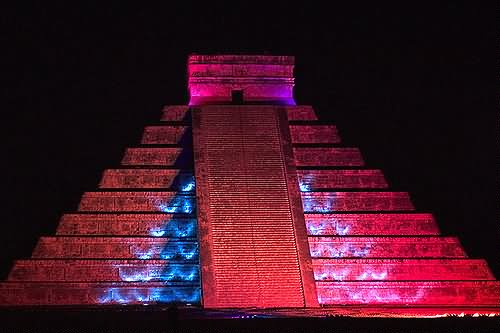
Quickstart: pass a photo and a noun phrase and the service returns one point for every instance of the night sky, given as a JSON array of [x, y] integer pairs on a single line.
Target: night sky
[[412, 86]]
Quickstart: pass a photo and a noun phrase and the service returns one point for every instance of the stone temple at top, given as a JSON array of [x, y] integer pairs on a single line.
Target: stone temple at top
[[244, 200]]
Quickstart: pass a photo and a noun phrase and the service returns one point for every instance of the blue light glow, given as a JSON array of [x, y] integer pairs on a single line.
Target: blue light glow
[[130, 295], [172, 250], [177, 243], [177, 294], [178, 204], [170, 272], [372, 276], [145, 296], [340, 250], [305, 183], [304, 187], [315, 229], [145, 255], [176, 227], [187, 207], [332, 274], [189, 185], [135, 277], [316, 205], [324, 227], [179, 273], [182, 251], [377, 295], [342, 230], [157, 233]]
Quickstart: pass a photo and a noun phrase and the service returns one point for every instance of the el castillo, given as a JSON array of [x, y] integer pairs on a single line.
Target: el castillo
[[243, 201]]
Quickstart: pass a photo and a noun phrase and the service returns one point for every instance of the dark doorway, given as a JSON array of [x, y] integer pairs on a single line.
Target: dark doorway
[[237, 97]]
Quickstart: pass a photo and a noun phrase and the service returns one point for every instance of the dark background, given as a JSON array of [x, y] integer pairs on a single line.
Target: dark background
[[412, 85]]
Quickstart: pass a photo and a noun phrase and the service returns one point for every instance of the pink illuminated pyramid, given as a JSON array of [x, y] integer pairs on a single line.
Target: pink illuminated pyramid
[[244, 200]]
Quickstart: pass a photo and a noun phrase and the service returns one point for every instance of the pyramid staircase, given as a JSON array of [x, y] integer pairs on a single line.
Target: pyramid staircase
[[133, 241]]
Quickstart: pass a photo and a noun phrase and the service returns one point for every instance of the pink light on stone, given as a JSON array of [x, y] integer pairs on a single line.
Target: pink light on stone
[[400, 269], [260, 79], [432, 293]]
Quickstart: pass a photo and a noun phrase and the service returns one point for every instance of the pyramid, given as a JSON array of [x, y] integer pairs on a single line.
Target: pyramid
[[243, 199]]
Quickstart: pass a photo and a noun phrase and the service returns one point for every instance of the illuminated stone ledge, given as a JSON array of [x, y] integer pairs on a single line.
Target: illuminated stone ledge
[[167, 202], [116, 248], [310, 180], [240, 59], [117, 224], [165, 156], [172, 179], [59, 293], [264, 79], [354, 224], [319, 157], [401, 269], [386, 247], [485, 293], [181, 113], [324, 202], [96, 270], [314, 134], [166, 134]]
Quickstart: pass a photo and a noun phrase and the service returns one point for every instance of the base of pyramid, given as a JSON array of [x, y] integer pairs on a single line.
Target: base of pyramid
[[195, 312], [96, 293], [381, 312], [332, 295]]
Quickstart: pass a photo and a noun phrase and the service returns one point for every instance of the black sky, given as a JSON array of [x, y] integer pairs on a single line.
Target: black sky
[[413, 86]]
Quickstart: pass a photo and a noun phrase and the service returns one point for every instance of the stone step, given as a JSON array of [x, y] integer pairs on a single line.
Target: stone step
[[155, 225], [301, 112], [400, 269], [176, 113], [166, 202], [385, 247], [449, 293], [160, 156], [371, 224], [324, 202], [182, 113], [311, 180], [76, 270], [70, 293], [314, 134], [116, 248], [171, 134], [321, 157], [172, 179]]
